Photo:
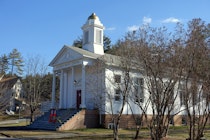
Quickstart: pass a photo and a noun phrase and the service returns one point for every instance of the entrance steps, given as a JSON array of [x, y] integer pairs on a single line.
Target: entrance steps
[[62, 116]]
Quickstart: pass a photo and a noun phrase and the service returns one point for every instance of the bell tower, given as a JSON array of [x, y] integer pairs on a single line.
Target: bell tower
[[93, 35]]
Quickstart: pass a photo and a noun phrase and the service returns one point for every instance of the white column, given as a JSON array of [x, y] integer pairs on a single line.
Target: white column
[[61, 90], [65, 89], [53, 91], [72, 87], [83, 104], [68, 89]]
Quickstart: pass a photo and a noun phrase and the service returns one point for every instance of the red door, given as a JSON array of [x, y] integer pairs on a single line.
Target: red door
[[78, 98]]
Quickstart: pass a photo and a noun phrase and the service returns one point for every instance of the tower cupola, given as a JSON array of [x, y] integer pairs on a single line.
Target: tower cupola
[[93, 35]]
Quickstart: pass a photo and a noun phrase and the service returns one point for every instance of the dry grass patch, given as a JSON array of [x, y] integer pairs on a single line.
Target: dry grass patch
[[24, 123], [177, 133], [26, 133]]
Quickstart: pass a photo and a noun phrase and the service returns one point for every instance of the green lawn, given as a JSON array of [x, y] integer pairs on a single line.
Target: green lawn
[[175, 133]]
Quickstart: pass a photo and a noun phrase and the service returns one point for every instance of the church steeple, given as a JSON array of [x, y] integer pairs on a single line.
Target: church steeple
[[93, 35]]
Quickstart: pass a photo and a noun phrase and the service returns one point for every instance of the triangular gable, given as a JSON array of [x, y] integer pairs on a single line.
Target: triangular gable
[[9, 82], [66, 54]]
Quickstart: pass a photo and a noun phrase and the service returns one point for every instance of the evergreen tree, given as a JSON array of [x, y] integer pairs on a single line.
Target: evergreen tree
[[16, 62], [46, 87], [107, 44], [78, 42], [3, 64]]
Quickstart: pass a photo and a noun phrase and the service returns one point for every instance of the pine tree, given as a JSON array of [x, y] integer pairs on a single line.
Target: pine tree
[[107, 44], [16, 62], [3, 64]]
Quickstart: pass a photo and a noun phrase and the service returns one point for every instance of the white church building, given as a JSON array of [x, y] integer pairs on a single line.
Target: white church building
[[89, 78], [85, 74]]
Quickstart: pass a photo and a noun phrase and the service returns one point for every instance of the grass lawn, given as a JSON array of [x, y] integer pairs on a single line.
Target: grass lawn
[[175, 133], [8, 117], [24, 123], [93, 134], [80, 134]]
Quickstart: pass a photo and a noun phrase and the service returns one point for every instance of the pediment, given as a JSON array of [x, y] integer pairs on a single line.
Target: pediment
[[66, 54]]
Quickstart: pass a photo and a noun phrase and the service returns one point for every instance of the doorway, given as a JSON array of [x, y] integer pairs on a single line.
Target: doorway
[[78, 98]]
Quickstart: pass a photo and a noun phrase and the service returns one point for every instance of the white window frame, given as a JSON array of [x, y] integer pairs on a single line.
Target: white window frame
[[139, 89]]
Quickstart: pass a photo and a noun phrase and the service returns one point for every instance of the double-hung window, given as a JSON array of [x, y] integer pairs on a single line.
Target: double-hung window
[[139, 89], [117, 78], [182, 95], [117, 94]]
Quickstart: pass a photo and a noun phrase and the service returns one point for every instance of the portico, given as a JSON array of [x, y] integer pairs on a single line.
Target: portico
[[72, 81]]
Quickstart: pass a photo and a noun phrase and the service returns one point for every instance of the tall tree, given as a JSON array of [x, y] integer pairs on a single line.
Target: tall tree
[[107, 44], [35, 71], [170, 63], [16, 62], [46, 87], [152, 51], [116, 92], [3, 64], [196, 79]]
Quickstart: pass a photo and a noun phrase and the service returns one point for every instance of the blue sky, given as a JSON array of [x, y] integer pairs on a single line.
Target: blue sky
[[42, 27]]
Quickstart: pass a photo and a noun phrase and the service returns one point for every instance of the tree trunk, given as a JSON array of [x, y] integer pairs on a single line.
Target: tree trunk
[[115, 131], [137, 132], [32, 116]]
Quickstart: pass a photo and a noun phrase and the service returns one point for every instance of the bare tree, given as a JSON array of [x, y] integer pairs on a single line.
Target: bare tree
[[135, 80], [196, 79], [111, 97], [153, 58], [35, 70], [165, 61], [156, 58]]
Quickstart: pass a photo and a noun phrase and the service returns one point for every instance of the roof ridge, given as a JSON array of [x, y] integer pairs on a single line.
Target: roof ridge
[[8, 79]]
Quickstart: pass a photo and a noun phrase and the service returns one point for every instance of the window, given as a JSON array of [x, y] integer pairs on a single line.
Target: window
[[117, 95], [184, 120], [98, 36], [86, 38], [171, 119], [169, 90], [181, 94], [117, 78], [139, 89]]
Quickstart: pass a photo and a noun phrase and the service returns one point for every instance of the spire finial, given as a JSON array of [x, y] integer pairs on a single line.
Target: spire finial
[[93, 16]]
